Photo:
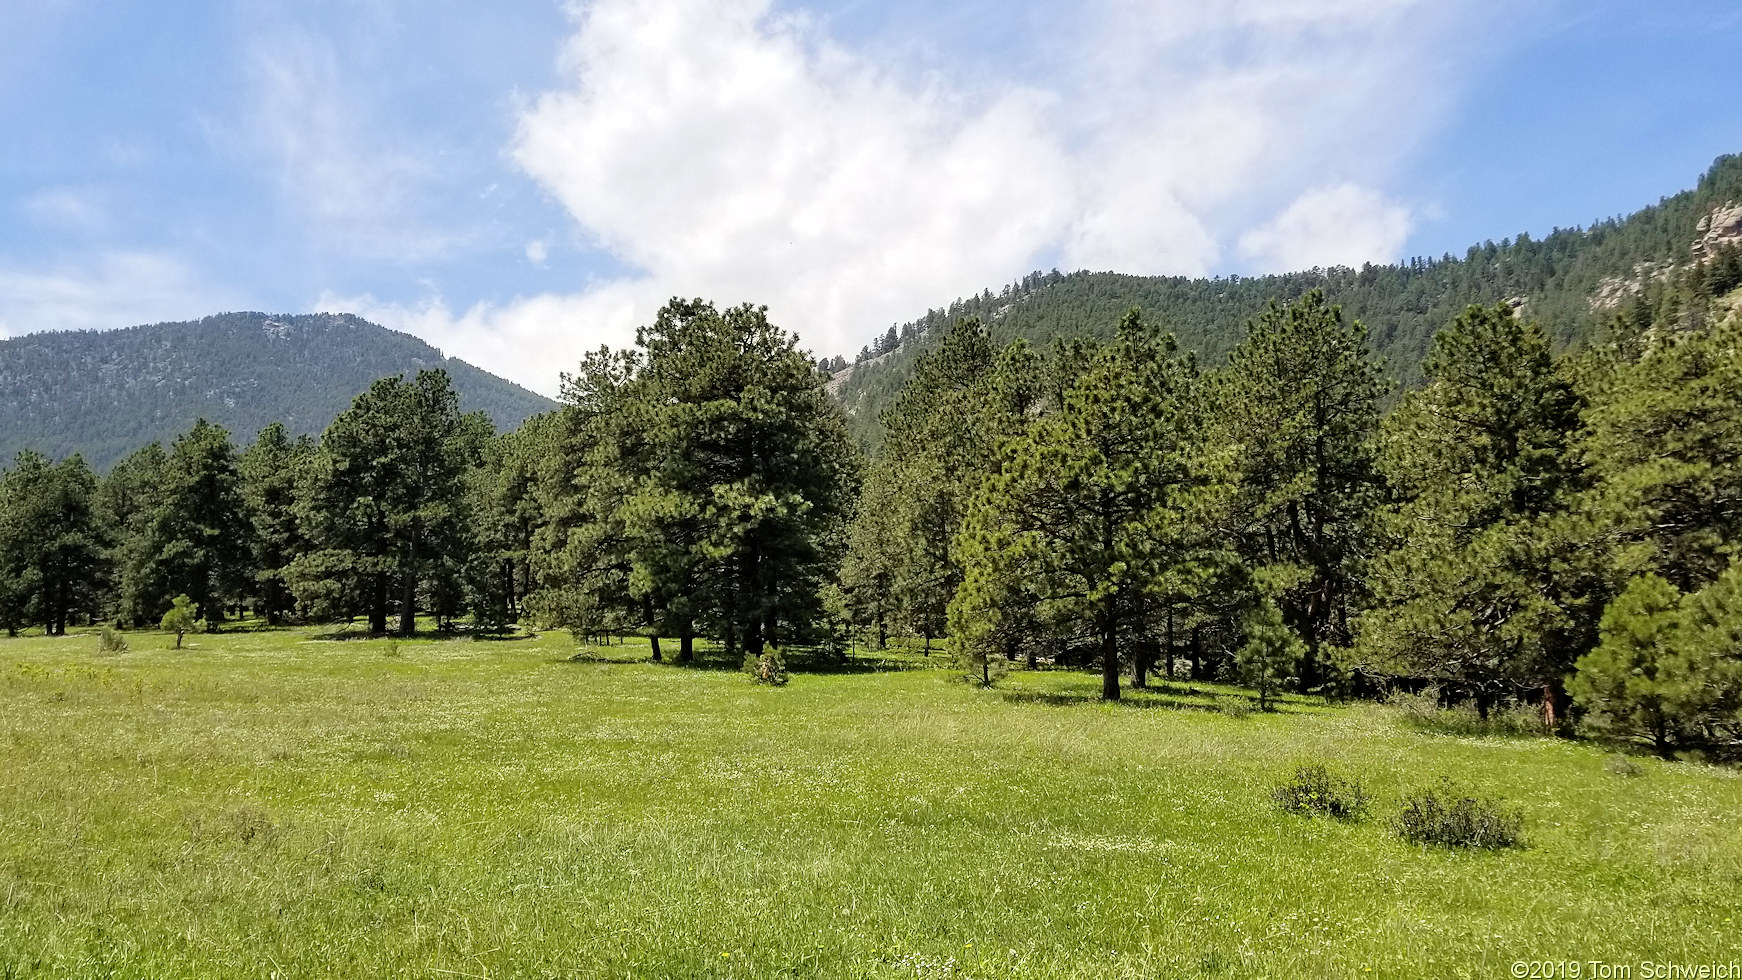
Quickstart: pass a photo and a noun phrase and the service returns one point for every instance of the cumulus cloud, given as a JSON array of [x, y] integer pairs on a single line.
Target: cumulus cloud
[[1342, 225], [531, 340], [116, 289], [733, 150]]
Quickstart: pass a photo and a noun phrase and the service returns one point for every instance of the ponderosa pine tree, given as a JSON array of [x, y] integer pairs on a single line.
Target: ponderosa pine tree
[[582, 552], [1664, 448], [1084, 514], [383, 502], [1299, 399], [126, 499], [1272, 653], [940, 446], [51, 547], [1491, 580], [271, 469], [194, 538], [1669, 667], [505, 513], [745, 449]]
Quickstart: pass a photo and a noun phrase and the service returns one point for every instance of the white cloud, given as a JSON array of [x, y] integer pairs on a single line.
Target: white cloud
[[352, 181], [1342, 225], [117, 289], [65, 209], [531, 340], [726, 149]]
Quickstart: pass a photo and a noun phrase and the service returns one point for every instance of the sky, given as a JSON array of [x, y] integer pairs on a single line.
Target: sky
[[520, 181]]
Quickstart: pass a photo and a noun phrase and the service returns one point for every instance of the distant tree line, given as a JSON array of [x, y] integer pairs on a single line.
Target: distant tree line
[[698, 485], [1522, 526]]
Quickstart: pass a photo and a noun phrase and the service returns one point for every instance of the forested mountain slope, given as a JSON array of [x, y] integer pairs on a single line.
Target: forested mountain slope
[[105, 393], [1573, 281]]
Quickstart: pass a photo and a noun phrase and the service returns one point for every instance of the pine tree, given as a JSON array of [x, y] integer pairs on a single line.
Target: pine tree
[[1669, 667], [1492, 580], [1085, 513], [195, 537], [126, 500], [1664, 446], [270, 471], [383, 503], [746, 452], [1299, 398], [51, 548], [1272, 654]]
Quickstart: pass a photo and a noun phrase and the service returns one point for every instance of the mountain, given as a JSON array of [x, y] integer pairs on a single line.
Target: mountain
[[1574, 281], [105, 393]]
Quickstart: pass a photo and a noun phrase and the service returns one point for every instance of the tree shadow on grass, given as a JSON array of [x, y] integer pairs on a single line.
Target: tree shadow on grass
[[799, 660], [1169, 696]]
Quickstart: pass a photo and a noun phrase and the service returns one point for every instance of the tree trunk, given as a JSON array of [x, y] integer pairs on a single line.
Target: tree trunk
[[1109, 664], [882, 632], [928, 640], [653, 641], [1140, 657], [378, 606], [1170, 644], [686, 644], [407, 602], [753, 640]]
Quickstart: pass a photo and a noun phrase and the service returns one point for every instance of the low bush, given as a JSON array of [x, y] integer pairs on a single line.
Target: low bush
[[1447, 815], [1233, 705], [110, 641], [1316, 791], [770, 668]]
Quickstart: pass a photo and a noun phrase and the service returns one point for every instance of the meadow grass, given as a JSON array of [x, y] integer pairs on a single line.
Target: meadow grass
[[303, 804]]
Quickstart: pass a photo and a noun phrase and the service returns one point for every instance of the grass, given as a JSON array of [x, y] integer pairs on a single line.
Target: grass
[[294, 804]]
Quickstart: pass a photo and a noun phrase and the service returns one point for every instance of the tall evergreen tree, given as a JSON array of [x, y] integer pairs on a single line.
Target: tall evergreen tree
[[1299, 398], [194, 539], [1490, 579], [747, 451], [1084, 515], [51, 548], [383, 501], [126, 499], [270, 471], [1664, 447]]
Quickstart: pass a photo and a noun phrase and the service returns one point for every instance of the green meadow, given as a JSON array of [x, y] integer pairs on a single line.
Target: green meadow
[[314, 804]]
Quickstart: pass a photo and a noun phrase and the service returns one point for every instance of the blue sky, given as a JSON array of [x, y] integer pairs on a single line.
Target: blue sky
[[518, 181]]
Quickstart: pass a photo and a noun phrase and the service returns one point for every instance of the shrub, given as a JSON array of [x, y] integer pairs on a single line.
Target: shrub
[[770, 668], [1315, 791], [1233, 705], [181, 618], [1447, 815], [110, 641]]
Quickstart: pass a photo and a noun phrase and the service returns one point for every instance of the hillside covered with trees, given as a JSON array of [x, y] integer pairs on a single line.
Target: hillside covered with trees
[[102, 394], [1572, 281]]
